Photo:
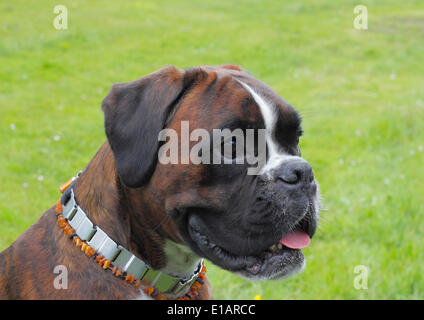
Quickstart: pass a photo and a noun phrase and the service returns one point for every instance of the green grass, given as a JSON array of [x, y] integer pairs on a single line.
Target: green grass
[[361, 94]]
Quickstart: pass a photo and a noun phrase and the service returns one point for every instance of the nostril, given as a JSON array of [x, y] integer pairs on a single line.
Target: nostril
[[296, 172], [290, 176]]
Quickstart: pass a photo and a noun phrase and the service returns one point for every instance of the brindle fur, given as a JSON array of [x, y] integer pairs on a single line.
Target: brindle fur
[[126, 192]]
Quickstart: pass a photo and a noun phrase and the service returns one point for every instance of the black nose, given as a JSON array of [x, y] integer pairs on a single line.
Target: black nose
[[296, 172]]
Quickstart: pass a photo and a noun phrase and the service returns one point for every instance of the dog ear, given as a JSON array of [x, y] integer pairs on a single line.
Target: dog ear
[[135, 113], [231, 66]]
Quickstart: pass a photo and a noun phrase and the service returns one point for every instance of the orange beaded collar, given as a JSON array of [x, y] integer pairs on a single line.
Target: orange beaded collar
[[123, 264]]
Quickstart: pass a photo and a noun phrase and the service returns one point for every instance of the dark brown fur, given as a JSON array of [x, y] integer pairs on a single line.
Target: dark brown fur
[[133, 217], [132, 200], [27, 265]]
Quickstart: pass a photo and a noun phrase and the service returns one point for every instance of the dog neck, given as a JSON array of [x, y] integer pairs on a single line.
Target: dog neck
[[146, 230]]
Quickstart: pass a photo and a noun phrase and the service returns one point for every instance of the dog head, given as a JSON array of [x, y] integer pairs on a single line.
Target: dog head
[[250, 224]]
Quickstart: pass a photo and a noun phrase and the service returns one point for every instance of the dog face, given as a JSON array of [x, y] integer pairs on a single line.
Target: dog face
[[234, 219]]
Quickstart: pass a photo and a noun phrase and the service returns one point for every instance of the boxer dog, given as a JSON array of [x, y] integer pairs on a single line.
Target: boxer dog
[[169, 216]]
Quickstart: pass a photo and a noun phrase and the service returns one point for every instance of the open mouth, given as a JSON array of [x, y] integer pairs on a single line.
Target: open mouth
[[281, 259]]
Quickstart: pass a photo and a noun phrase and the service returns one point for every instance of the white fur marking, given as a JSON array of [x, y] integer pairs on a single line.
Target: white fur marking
[[276, 157], [181, 262]]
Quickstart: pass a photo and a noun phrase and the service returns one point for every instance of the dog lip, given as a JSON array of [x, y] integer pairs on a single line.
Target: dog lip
[[250, 265], [220, 255], [306, 224], [262, 264]]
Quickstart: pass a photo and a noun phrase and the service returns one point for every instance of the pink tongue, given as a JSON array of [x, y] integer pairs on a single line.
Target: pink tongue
[[296, 240]]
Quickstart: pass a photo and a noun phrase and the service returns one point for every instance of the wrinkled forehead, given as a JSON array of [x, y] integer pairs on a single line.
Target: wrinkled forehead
[[281, 119], [217, 100], [222, 98], [283, 112]]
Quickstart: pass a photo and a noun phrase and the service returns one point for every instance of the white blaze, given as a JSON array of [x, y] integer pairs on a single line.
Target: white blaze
[[276, 156]]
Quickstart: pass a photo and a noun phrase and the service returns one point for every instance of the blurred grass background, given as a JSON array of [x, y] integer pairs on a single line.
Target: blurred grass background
[[361, 95]]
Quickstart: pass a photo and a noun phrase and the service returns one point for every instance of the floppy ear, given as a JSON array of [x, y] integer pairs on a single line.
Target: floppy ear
[[135, 113]]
